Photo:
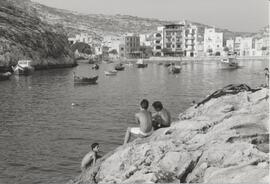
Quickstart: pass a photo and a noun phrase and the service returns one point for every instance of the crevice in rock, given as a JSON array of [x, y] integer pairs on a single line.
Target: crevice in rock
[[189, 169], [253, 139]]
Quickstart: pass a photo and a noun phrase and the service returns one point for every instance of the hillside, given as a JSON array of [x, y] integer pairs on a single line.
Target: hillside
[[24, 36], [99, 25]]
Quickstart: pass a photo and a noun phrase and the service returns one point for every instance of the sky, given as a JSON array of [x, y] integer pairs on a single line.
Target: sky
[[235, 15]]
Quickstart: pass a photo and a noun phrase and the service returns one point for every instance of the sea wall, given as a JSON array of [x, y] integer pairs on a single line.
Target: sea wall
[[224, 140], [203, 58], [24, 36]]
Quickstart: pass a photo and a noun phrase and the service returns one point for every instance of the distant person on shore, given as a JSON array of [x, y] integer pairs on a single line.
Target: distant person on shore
[[143, 117], [266, 74], [161, 118], [90, 158]]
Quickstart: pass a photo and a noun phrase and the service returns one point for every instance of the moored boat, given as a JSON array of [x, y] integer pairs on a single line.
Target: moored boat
[[84, 80], [110, 73], [229, 63], [5, 76], [140, 64], [95, 67], [119, 67], [24, 67], [175, 69]]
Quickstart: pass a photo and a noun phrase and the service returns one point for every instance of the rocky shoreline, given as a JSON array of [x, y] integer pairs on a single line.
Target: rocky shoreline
[[224, 140]]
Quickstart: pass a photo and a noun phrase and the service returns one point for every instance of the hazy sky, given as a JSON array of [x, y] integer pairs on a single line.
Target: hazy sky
[[235, 15]]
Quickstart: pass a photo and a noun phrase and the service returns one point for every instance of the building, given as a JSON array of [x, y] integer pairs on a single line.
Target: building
[[82, 37], [246, 46], [191, 36], [158, 41], [112, 42], [173, 40], [146, 40], [213, 42], [237, 43], [230, 45], [131, 46]]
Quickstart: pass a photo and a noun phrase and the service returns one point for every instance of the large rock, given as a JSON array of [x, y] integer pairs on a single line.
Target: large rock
[[224, 140], [24, 36]]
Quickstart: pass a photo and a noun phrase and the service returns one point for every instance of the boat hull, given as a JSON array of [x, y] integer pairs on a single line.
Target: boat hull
[[141, 65], [5, 76], [23, 71], [85, 80]]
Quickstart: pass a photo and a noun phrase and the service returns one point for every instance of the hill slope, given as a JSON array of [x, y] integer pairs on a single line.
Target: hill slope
[[99, 25], [24, 36]]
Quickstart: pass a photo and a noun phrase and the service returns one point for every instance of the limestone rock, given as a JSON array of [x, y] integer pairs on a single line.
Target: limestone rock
[[224, 140]]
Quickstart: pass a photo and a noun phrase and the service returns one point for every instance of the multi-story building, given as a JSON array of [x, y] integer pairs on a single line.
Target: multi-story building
[[131, 46], [258, 47], [230, 45], [213, 41], [237, 43], [246, 46], [173, 40], [158, 41], [191, 34]]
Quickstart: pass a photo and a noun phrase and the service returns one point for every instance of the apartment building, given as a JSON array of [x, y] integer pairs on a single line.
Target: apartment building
[[130, 47], [213, 42]]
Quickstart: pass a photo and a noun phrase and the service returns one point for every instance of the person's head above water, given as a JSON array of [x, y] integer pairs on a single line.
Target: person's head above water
[[95, 147], [144, 104], [157, 105], [266, 69]]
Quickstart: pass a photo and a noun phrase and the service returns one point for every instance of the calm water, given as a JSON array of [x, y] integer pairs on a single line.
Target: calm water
[[43, 137]]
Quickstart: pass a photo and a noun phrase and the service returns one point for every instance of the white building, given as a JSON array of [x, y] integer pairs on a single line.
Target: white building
[[83, 37], [213, 41], [146, 40], [230, 45], [246, 46], [158, 41]]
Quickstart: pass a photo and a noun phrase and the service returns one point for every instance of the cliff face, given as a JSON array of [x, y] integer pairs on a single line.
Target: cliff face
[[224, 140], [24, 36]]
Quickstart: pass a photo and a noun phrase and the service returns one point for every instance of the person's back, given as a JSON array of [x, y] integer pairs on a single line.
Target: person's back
[[90, 158], [145, 119]]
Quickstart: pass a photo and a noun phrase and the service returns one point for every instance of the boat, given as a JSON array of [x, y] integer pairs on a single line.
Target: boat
[[111, 72], [119, 67], [5, 76], [95, 67], [141, 64], [84, 80], [175, 69], [24, 67], [167, 64], [229, 63]]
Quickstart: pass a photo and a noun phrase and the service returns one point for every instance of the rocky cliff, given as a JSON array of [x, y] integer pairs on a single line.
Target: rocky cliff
[[24, 36], [224, 140]]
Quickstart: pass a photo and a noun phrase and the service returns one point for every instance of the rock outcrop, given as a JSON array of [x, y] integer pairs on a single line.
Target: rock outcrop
[[224, 140], [24, 36]]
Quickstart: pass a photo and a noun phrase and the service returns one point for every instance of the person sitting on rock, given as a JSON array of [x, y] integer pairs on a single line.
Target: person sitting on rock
[[266, 74], [143, 117], [90, 158], [161, 118]]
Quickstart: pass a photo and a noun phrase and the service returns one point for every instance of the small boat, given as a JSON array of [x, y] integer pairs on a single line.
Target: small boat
[[175, 69], [84, 80], [141, 64], [119, 67], [95, 67], [5, 76], [160, 63], [24, 67], [167, 64], [229, 63], [111, 72]]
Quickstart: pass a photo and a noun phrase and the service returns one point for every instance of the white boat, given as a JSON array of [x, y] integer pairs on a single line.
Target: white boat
[[229, 62], [24, 67], [110, 73], [174, 69], [140, 63]]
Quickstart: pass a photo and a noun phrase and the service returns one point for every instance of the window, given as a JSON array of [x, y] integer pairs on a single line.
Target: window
[[173, 46], [158, 47]]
